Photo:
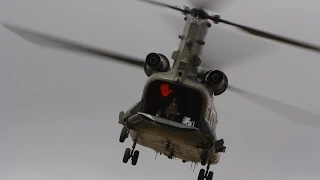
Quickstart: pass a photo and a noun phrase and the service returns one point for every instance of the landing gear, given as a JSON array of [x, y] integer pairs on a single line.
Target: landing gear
[[131, 153], [124, 134], [205, 174]]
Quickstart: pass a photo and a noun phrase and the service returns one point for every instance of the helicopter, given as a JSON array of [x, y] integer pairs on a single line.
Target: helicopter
[[176, 115]]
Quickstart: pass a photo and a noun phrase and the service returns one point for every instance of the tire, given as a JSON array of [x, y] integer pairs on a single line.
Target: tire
[[123, 134], [135, 158], [126, 155], [201, 175], [210, 176]]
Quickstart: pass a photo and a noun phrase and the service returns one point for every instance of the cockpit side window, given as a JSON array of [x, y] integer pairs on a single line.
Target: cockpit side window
[[161, 96]]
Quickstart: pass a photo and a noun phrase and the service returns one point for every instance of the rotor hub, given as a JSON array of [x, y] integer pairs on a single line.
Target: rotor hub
[[198, 12]]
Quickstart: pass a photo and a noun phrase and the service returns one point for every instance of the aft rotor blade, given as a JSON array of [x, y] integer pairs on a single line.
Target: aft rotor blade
[[295, 114], [268, 35], [178, 8], [59, 43]]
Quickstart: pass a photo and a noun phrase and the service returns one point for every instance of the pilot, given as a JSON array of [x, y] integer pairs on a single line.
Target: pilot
[[172, 109]]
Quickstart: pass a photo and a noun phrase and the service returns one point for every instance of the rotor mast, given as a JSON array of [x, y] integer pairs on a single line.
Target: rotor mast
[[187, 58]]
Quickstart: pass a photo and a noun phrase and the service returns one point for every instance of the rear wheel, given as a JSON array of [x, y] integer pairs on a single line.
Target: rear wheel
[[135, 157], [210, 176], [201, 175], [123, 134], [126, 155]]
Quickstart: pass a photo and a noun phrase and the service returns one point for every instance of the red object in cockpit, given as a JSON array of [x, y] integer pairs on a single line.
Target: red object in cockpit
[[165, 90]]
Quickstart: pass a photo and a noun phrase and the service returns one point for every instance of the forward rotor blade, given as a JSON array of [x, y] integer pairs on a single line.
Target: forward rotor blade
[[224, 48], [295, 114], [178, 8], [67, 45], [267, 35]]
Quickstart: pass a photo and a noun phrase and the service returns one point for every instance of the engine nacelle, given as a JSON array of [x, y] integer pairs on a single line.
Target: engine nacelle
[[216, 81], [156, 62]]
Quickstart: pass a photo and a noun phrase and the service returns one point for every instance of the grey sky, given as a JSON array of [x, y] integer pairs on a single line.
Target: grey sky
[[59, 111]]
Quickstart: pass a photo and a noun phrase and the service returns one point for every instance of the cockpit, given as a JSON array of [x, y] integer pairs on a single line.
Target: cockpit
[[173, 102]]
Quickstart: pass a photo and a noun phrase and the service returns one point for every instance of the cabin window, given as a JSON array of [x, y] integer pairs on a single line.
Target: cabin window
[[160, 94]]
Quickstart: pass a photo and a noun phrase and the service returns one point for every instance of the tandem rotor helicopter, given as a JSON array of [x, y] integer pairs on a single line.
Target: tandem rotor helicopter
[[176, 115]]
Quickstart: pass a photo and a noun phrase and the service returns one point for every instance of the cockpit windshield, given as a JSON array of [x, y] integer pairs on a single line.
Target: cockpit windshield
[[172, 101]]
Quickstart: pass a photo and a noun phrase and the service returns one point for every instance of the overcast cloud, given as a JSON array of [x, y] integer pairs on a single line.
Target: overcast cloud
[[59, 111]]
